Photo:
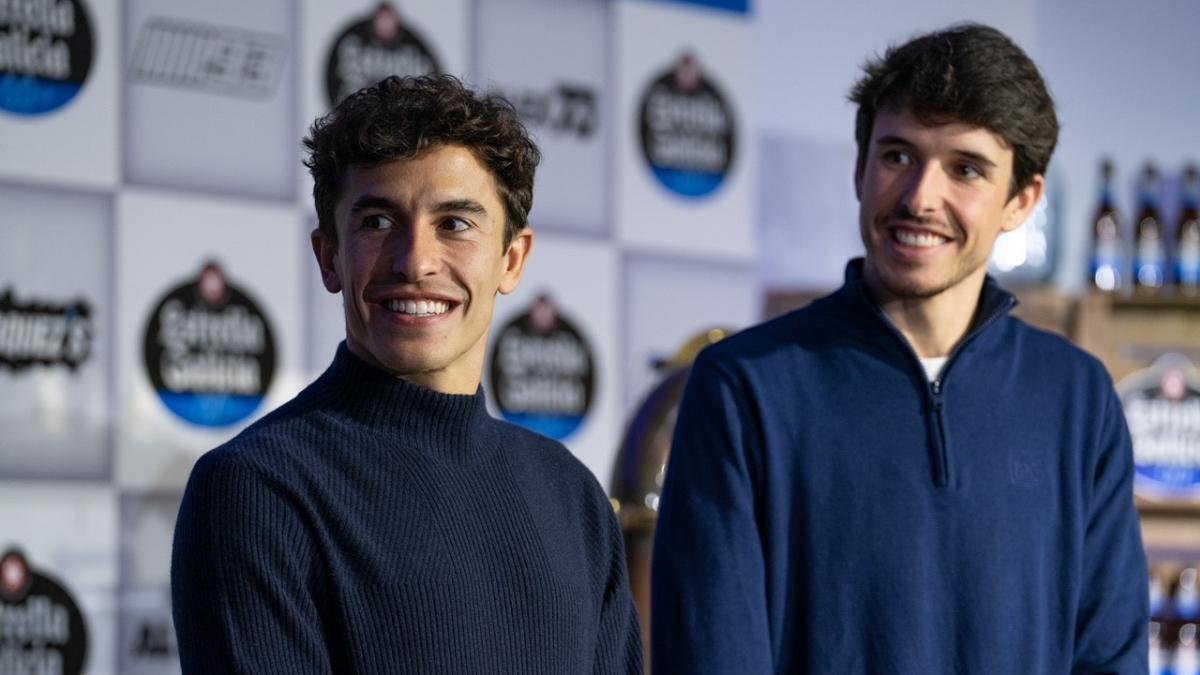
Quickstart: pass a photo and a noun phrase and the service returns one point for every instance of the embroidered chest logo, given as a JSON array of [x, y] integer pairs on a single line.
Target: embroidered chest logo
[[1025, 469]]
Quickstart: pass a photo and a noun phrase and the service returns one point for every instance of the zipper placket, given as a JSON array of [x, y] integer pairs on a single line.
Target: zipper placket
[[942, 467]]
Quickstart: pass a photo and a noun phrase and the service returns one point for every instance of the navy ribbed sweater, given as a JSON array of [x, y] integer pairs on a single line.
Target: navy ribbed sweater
[[371, 525], [827, 509]]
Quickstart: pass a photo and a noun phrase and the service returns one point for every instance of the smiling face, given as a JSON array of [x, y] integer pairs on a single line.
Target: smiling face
[[419, 260], [932, 200]]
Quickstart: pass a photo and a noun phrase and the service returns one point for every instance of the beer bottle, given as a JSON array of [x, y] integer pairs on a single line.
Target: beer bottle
[[1107, 261], [1159, 656], [1187, 236], [1158, 594], [1149, 246], [1186, 601], [1187, 658]]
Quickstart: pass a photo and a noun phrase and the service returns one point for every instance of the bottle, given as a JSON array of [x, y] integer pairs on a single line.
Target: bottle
[[1159, 656], [1149, 245], [1187, 659], [1187, 236], [1186, 603], [1158, 594], [1107, 261]]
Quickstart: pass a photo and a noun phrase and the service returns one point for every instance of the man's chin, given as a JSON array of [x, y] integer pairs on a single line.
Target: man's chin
[[909, 285]]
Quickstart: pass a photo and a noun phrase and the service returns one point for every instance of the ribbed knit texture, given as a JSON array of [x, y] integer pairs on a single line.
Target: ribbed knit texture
[[829, 510], [371, 525]]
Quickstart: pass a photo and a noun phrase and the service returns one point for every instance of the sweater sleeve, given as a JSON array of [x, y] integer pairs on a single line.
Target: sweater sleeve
[[619, 649], [1112, 624], [708, 608], [240, 585]]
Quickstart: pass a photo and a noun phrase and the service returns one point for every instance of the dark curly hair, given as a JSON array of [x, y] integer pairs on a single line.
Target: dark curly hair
[[400, 118], [968, 73]]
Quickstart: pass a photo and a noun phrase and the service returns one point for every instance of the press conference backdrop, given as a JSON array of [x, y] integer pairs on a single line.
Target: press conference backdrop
[[158, 294]]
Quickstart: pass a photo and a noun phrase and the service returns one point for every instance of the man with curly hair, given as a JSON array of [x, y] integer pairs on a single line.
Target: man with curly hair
[[902, 477], [382, 521]]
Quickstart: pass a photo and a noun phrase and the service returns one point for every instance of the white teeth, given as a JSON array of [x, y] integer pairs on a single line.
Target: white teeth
[[921, 239], [418, 307]]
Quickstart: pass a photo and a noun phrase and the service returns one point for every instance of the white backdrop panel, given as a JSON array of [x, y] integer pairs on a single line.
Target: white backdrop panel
[[650, 40], [69, 532], [76, 144], [54, 265], [146, 640], [668, 301], [579, 276], [549, 57], [163, 240], [808, 212], [444, 26], [209, 105]]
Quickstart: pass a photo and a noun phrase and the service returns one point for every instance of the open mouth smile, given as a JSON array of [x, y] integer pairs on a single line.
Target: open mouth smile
[[917, 238], [428, 307]]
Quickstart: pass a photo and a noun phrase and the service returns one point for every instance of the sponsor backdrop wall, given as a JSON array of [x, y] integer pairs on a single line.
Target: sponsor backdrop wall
[[157, 290]]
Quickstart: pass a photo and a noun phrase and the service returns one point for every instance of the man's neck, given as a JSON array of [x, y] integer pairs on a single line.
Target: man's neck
[[932, 325]]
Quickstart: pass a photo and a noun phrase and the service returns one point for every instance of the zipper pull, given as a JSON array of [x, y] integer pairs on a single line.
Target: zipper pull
[[936, 385]]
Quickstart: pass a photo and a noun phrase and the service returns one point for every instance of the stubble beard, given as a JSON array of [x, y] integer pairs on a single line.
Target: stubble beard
[[895, 282]]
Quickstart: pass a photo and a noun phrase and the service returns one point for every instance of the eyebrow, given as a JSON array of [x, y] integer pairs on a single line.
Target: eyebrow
[[968, 154], [368, 201], [461, 206], [371, 202]]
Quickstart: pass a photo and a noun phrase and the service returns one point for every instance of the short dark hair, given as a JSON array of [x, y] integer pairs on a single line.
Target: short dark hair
[[401, 118], [968, 73]]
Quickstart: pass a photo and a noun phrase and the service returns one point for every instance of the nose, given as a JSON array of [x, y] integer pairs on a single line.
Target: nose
[[418, 252], [924, 191]]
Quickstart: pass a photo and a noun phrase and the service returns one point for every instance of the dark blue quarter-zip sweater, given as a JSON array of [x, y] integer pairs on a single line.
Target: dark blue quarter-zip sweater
[[827, 509], [371, 525]]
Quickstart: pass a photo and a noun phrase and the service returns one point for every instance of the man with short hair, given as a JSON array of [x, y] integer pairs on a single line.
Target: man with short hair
[[902, 477], [382, 521]]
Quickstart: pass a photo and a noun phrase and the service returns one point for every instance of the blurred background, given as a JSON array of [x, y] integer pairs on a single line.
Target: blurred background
[[158, 293]]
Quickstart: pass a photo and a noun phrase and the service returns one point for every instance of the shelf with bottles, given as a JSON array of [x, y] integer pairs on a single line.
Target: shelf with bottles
[[1174, 615], [1152, 258]]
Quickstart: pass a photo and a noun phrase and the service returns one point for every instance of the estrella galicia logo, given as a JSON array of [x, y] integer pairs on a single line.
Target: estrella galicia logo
[[46, 51], [41, 627], [543, 374], [209, 351], [687, 130], [1162, 407], [43, 333], [372, 48]]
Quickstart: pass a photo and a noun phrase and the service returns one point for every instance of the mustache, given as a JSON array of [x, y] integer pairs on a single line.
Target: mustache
[[902, 214]]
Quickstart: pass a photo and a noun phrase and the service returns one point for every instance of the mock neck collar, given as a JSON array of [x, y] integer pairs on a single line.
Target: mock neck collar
[[448, 426]]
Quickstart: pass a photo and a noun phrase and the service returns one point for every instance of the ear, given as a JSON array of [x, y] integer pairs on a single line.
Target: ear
[[514, 260], [1021, 205], [858, 174], [325, 251]]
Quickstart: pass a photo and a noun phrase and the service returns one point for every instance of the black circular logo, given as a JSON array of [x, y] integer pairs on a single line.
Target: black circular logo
[[46, 52], [370, 49], [687, 130], [543, 374], [41, 627], [209, 350]]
